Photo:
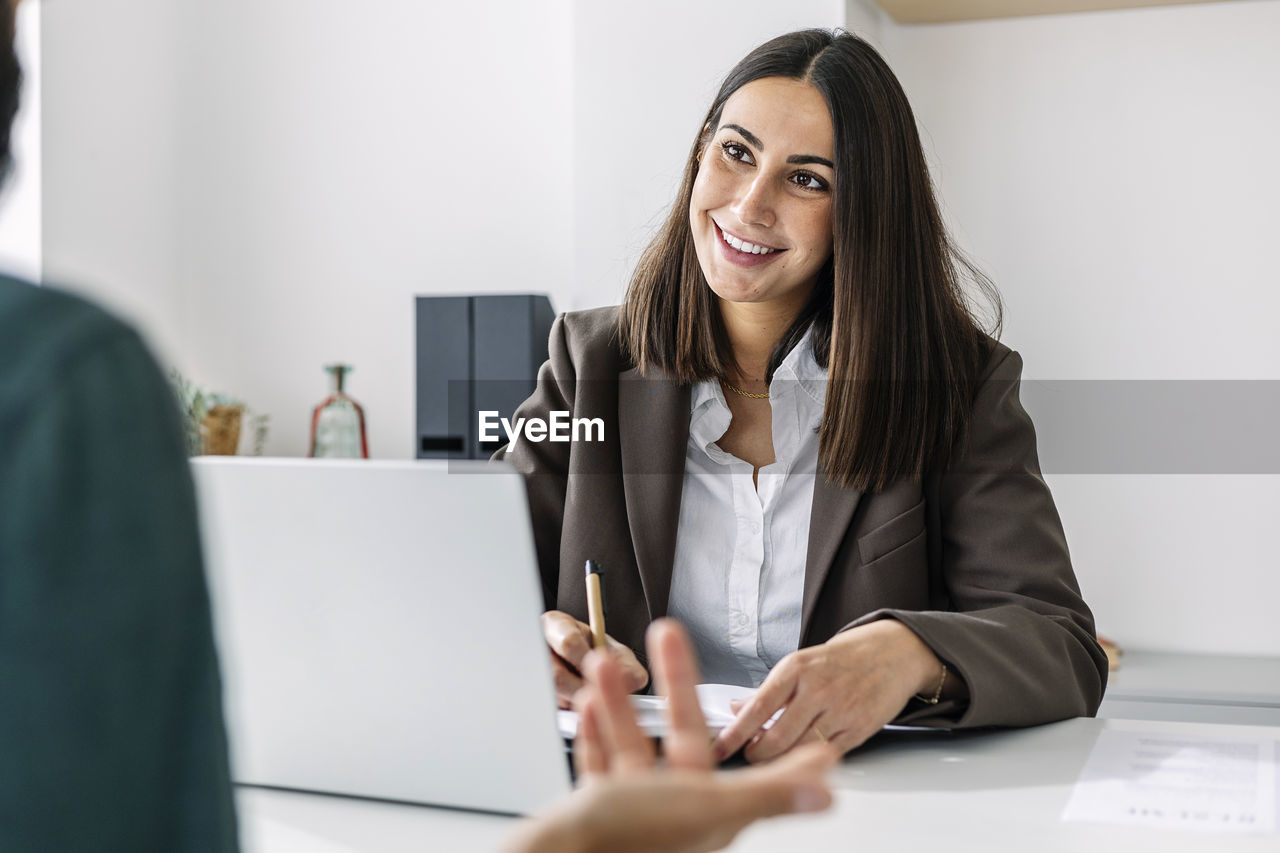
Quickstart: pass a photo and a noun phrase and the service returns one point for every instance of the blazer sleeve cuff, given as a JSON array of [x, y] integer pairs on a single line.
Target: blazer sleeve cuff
[[1008, 686]]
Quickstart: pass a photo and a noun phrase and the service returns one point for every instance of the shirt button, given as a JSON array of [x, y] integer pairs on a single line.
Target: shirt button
[[742, 620], [755, 527]]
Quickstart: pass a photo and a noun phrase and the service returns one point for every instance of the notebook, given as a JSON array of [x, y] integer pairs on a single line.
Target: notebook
[[378, 626], [651, 711]]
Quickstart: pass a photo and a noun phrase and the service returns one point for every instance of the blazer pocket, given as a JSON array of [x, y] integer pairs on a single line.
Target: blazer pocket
[[891, 535], [898, 578]]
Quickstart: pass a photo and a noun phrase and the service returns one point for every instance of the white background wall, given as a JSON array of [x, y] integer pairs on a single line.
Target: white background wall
[[1116, 174], [282, 177], [110, 77], [348, 159], [265, 185]]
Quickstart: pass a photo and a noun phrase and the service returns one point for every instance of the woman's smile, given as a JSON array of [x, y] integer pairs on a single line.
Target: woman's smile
[[742, 252]]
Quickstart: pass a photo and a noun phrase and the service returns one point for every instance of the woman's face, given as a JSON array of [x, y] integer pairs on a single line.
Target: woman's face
[[761, 206]]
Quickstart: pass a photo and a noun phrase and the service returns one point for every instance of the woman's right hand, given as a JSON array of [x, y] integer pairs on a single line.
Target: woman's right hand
[[569, 641]]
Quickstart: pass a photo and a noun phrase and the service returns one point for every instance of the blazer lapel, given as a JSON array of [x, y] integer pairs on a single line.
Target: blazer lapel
[[829, 518], [653, 431]]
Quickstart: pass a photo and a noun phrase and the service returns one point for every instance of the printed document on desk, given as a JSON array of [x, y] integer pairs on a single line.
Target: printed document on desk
[[1167, 781]]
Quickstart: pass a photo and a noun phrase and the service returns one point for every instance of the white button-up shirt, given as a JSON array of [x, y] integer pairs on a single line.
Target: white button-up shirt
[[738, 577]]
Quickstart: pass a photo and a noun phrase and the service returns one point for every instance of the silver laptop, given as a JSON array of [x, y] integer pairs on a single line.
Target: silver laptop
[[378, 626]]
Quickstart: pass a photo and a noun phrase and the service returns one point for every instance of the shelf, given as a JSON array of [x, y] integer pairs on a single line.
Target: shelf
[[940, 11], [1195, 688]]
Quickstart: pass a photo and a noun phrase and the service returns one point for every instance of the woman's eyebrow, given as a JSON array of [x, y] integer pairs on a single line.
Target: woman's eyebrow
[[797, 159], [746, 134], [801, 159]]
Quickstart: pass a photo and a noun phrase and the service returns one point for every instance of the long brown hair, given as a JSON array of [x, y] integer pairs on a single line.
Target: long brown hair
[[892, 325]]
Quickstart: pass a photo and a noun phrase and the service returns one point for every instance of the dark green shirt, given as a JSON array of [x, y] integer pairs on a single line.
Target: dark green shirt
[[111, 729]]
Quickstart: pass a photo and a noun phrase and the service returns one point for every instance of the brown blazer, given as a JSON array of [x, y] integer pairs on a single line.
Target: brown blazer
[[973, 559]]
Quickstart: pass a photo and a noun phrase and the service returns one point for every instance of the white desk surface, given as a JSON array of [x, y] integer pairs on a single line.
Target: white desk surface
[[972, 791]]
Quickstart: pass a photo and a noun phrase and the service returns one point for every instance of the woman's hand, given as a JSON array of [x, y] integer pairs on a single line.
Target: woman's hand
[[625, 804], [569, 641], [842, 691]]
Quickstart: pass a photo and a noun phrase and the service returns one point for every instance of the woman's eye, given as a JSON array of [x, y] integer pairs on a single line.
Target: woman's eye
[[734, 151], [809, 181]]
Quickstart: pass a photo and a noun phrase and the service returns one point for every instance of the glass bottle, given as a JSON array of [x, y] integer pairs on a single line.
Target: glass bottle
[[337, 424]]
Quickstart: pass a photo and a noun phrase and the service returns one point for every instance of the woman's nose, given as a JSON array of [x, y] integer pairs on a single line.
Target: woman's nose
[[755, 203]]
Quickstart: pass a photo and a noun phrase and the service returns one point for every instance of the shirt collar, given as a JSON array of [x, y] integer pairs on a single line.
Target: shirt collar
[[709, 413], [802, 368]]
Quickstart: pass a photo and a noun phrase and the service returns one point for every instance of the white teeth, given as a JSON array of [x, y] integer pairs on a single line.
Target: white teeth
[[744, 246]]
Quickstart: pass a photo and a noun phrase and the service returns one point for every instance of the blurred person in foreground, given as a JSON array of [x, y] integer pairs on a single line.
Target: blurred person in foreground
[[110, 716]]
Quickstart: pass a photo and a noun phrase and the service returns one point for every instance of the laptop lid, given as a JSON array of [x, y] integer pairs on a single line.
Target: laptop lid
[[378, 625]]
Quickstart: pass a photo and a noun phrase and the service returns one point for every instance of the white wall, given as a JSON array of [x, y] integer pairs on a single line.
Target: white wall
[[110, 88], [866, 19], [341, 159], [1116, 174], [264, 186], [20, 252]]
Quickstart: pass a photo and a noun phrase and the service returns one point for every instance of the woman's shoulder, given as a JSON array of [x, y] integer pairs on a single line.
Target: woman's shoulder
[[997, 361], [588, 340], [594, 327]]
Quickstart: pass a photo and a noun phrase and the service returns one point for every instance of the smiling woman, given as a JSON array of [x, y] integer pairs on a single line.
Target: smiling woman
[[815, 456], [760, 212]]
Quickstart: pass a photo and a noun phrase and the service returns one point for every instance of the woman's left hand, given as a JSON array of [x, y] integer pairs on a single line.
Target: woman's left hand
[[842, 691]]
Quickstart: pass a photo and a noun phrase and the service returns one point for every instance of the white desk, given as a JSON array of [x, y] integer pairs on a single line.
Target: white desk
[[974, 791]]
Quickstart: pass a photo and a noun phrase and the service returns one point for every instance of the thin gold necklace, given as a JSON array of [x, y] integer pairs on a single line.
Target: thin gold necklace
[[740, 392]]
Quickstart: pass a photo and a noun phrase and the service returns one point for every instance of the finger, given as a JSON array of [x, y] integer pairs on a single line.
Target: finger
[[627, 747], [567, 637], [567, 681], [764, 749], [775, 693], [796, 725], [851, 738], [808, 763], [634, 676], [589, 755], [811, 761], [797, 782], [675, 673]]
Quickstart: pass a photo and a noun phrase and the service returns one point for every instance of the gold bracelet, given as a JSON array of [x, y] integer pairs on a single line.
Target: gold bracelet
[[937, 694]]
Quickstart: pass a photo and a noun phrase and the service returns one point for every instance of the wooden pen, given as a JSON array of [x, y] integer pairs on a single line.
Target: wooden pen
[[595, 604]]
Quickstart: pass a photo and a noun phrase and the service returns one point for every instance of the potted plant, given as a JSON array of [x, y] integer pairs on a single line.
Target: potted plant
[[213, 421]]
